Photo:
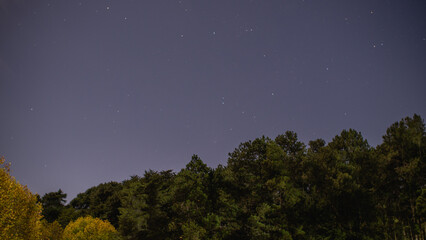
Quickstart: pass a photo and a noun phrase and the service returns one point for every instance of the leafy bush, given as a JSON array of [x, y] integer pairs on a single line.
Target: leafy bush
[[89, 228]]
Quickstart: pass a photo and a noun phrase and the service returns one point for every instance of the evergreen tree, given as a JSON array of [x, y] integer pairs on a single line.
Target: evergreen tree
[[53, 203]]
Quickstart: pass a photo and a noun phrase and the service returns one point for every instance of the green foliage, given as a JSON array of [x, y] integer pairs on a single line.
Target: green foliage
[[269, 189], [279, 189], [53, 203], [192, 231], [145, 206], [189, 195], [402, 178], [102, 201]]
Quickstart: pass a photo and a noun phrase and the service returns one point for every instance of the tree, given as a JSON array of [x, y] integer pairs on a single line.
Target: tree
[[101, 201], [402, 157], [53, 203], [91, 229], [258, 191], [351, 180], [269, 189], [189, 195], [20, 213], [51, 231], [144, 213], [421, 212]]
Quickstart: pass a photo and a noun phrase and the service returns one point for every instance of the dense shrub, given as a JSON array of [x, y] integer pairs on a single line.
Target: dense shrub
[[89, 228]]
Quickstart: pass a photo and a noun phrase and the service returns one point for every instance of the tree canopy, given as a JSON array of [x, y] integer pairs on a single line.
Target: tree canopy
[[19, 211], [269, 189], [89, 228]]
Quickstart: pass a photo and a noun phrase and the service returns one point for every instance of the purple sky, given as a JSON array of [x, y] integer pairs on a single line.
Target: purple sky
[[94, 91]]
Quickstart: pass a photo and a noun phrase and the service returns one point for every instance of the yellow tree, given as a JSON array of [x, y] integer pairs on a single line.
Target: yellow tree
[[20, 213], [51, 231], [89, 228]]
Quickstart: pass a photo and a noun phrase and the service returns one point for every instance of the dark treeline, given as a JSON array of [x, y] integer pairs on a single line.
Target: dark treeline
[[273, 189]]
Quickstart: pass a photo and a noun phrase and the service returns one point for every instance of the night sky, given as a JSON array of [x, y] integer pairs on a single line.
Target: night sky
[[97, 91]]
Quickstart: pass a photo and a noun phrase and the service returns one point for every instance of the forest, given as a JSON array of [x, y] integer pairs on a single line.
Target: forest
[[269, 189]]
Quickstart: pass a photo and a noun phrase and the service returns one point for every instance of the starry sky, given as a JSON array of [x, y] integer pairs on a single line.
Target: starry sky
[[97, 91]]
